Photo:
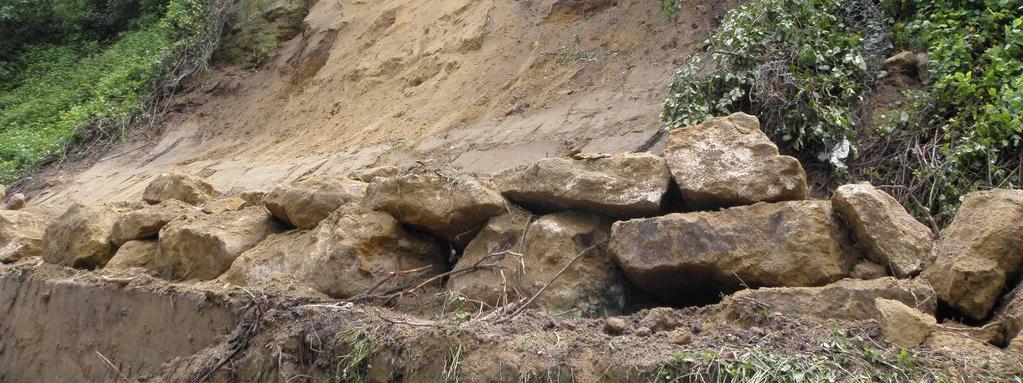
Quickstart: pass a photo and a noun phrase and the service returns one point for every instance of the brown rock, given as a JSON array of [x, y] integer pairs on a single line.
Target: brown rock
[[452, 208], [962, 344], [729, 161], [270, 265], [908, 63], [891, 236], [848, 299], [21, 235], [16, 202], [990, 333], [141, 254], [307, 202], [368, 175], [592, 286], [868, 270], [902, 325], [614, 326], [1010, 315], [979, 251], [147, 222], [81, 236], [685, 256], [222, 205], [182, 187], [252, 197], [620, 185], [204, 246]]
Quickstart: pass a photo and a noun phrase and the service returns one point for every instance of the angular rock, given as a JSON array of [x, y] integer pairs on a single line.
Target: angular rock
[[252, 197], [348, 253], [979, 251], [271, 265], [222, 205], [140, 254], [620, 185], [204, 246], [307, 202], [868, 270], [681, 257], [902, 325], [147, 222], [889, 234], [729, 161], [452, 208], [21, 235], [16, 202], [1010, 315], [848, 299], [592, 286], [81, 236], [182, 187]]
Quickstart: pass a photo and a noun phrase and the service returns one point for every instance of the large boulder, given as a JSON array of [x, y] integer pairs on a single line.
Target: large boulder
[[271, 265], [146, 222], [902, 325], [204, 246], [729, 161], [81, 236], [683, 256], [496, 268], [889, 234], [848, 299], [351, 251], [979, 252], [21, 235], [305, 203], [452, 208], [134, 254], [620, 185], [182, 187]]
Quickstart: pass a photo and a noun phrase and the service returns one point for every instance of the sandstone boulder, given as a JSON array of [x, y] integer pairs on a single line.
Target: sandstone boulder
[[204, 246], [889, 234], [592, 286], [222, 205], [729, 161], [16, 202], [81, 236], [146, 222], [848, 299], [252, 197], [868, 270], [307, 202], [270, 266], [182, 187], [902, 325], [680, 257], [452, 208], [979, 251], [1010, 315], [140, 254], [620, 185], [21, 235]]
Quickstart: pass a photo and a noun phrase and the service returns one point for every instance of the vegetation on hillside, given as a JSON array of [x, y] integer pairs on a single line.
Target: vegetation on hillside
[[81, 69], [805, 67]]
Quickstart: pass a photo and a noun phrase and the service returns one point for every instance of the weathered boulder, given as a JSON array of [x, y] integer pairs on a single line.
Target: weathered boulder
[[902, 325], [452, 208], [592, 286], [979, 251], [252, 197], [182, 187], [848, 299], [868, 270], [348, 253], [305, 203], [147, 222], [16, 202], [889, 234], [620, 185], [908, 63], [132, 254], [204, 246], [21, 235], [270, 266], [1010, 315], [81, 236], [729, 161], [222, 205], [685, 255]]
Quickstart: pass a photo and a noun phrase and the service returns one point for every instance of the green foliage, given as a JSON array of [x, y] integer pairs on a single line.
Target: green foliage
[[672, 9]]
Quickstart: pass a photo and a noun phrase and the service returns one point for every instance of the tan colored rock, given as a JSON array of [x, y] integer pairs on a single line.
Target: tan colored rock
[[134, 254], [963, 344], [868, 270], [16, 202], [270, 266], [307, 202], [204, 246], [592, 286], [146, 222], [848, 299], [990, 333], [908, 63], [889, 234], [682, 256], [619, 185], [902, 325], [182, 187], [3, 192], [979, 251], [21, 235], [452, 208], [368, 175], [222, 205], [349, 252], [1010, 315], [252, 197], [729, 161], [81, 236]]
